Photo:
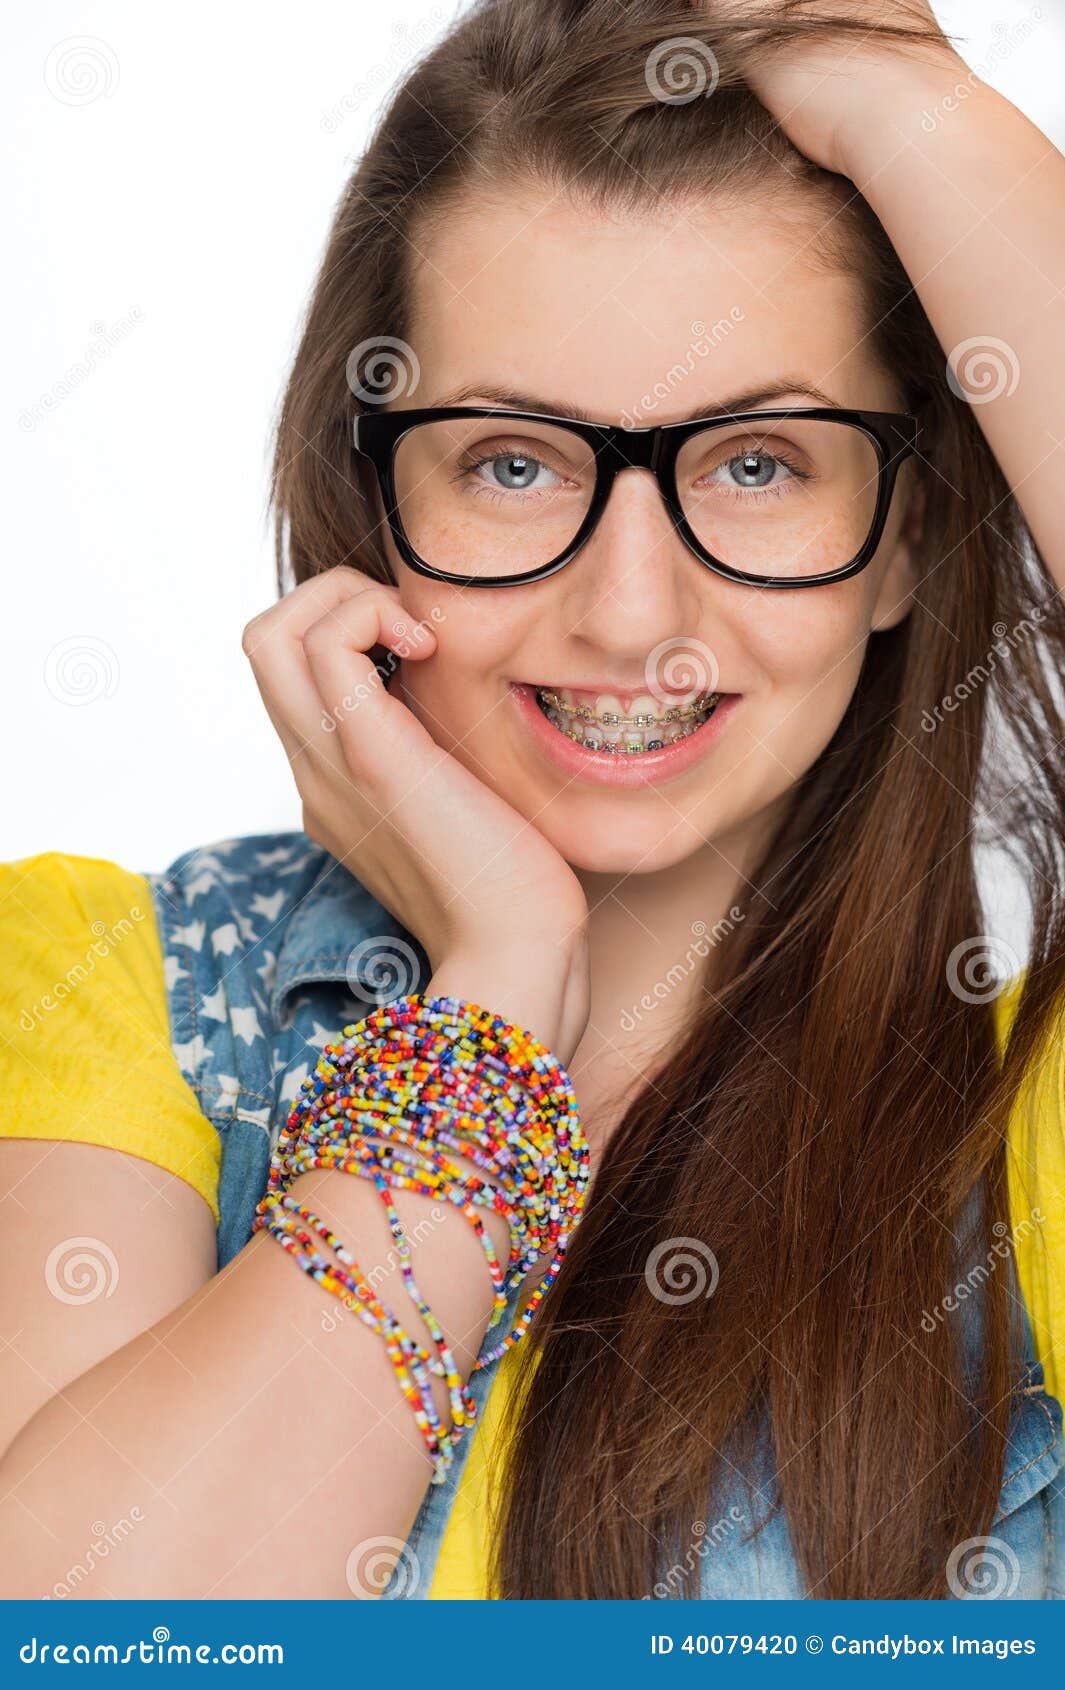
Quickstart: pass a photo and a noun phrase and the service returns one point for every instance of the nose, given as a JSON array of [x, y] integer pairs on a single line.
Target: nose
[[634, 583]]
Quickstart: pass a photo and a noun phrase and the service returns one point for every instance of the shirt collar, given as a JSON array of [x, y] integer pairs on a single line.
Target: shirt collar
[[339, 932]]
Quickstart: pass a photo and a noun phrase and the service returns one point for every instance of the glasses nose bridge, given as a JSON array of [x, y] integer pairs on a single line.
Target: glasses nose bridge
[[634, 448]]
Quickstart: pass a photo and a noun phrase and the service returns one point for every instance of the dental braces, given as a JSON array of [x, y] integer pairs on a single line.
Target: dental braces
[[611, 719]]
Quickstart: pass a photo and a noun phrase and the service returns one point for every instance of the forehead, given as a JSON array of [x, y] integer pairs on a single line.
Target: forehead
[[686, 303]]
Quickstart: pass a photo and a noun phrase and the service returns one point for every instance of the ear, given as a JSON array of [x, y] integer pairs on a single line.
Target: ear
[[899, 580]]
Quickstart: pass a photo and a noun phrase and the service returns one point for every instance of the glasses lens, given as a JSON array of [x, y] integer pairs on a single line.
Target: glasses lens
[[484, 496], [787, 499]]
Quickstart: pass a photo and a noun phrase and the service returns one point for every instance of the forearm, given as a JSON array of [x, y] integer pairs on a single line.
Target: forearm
[[255, 1437], [972, 196]]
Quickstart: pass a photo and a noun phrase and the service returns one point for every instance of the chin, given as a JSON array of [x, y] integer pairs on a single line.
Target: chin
[[616, 845]]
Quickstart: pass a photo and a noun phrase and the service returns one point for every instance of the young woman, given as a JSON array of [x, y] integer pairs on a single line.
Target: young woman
[[671, 481]]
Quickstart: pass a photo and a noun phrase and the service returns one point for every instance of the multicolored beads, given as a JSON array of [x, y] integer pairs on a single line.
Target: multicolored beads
[[416, 1078]]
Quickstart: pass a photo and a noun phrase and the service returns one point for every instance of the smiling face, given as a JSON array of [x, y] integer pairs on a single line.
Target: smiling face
[[650, 319]]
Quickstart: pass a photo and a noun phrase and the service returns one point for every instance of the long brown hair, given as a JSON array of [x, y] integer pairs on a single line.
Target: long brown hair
[[834, 1107]]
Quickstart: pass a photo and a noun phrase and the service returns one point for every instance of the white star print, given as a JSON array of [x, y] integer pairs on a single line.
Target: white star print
[[202, 883], [247, 931], [224, 940], [321, 1036], [191, 1055], [245, 1024], [259, 1117], [268, 905], [293, 1080], [214, 1004], [192, 935], [228, 1090]]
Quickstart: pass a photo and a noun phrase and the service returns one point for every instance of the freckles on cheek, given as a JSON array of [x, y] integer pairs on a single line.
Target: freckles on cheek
[[812, 634]]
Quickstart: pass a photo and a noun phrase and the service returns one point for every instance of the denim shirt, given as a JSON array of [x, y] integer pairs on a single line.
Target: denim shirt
[[270, 947]]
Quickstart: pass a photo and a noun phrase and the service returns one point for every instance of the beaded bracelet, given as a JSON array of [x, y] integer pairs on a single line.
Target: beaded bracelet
[[414, 1076]]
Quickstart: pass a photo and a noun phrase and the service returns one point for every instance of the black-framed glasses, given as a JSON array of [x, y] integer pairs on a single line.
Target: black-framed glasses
[[488, 497]]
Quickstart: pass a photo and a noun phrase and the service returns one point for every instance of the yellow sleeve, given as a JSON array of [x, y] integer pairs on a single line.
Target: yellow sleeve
[[1036, 1163], [85, 1049]]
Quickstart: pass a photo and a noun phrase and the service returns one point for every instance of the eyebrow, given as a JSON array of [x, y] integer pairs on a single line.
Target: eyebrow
[[779, 387]]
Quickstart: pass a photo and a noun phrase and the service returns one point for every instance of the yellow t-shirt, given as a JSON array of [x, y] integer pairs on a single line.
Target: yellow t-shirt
[[86, 1055], [84, 1023]]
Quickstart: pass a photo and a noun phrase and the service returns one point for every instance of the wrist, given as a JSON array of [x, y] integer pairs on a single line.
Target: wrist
[[539, 986]]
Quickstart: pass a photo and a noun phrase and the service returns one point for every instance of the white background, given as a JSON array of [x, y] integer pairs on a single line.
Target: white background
[[163, 236]]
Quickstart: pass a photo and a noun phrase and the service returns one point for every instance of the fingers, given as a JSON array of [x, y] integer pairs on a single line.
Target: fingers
[[321, 691]]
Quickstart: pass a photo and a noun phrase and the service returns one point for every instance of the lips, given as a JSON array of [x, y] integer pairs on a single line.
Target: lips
[[686, 739], [625, 724]]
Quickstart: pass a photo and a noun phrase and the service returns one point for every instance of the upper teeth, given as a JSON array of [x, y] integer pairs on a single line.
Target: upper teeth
[[644, 710]]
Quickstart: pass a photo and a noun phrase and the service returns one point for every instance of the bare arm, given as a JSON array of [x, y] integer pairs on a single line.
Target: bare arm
[[970, 193], [253, 1442], [95, 1245]]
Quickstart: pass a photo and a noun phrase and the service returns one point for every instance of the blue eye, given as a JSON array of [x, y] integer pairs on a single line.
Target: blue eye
[[515, 472], [756, 469]]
